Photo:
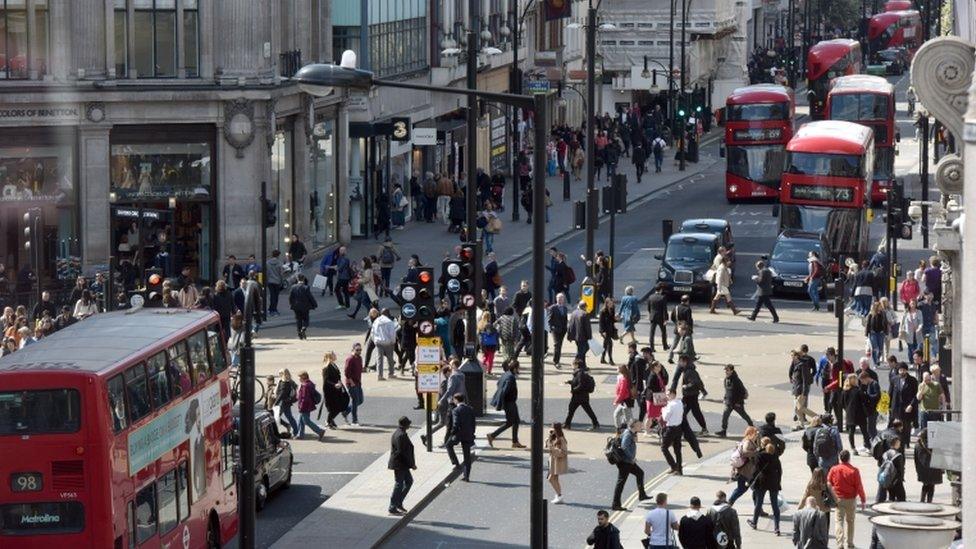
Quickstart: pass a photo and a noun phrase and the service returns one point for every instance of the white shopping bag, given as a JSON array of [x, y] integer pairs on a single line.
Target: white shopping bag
[[596, 347], [319, 282]]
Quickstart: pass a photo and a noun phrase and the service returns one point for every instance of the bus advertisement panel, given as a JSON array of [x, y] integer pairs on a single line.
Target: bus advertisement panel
[[759, 123]]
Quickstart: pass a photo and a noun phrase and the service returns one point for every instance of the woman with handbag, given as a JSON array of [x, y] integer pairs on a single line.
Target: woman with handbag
[[656, 396], [629, 314], [623, 399], [608, 329], [489, 340], [769, 478], [744, 462], [558, 459], [910, 327], [335, 399], [819, 489]]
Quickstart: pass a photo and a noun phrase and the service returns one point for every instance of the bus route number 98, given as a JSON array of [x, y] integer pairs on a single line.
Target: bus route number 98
[[26, 482]]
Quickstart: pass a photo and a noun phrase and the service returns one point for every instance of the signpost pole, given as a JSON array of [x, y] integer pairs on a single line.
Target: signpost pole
[[428, 381]]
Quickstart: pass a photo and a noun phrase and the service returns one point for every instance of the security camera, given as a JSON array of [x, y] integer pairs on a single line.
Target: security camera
[[915, 211]]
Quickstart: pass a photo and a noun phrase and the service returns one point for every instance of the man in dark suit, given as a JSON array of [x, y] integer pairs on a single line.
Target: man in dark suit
[[638, 367], [462, 432], [764, 291], [558, 324], [580, 331], [506, 398], [657, 310], [904, 401], [401, 463], [455, 386]]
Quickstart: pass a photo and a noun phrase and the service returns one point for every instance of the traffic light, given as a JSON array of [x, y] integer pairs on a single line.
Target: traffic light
[[460, 279], [424, 300], [28, 234], [409, 292], [681, 113], [270, 213]]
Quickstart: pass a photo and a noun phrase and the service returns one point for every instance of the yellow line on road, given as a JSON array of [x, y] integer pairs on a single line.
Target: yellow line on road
[[633, 497]]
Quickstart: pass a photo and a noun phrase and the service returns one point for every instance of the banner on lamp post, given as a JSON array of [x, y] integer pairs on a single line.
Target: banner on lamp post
[[557, 9]]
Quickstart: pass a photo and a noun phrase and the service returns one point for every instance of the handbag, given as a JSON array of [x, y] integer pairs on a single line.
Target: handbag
[[494, 225], [659, 399]]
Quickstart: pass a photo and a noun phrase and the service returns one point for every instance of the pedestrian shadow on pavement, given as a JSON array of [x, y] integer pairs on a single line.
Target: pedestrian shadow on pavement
[[450, 525]]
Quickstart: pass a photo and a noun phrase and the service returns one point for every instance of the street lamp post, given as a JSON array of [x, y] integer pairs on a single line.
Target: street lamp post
[[471, 206], [515, 86], [591, 214], [321, 79], [682, 146]]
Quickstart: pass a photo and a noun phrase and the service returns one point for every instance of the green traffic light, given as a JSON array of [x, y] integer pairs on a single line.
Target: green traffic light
[[698, 109], [681, 112]]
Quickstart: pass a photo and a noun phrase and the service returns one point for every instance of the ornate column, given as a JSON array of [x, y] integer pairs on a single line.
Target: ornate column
[[942, 73]]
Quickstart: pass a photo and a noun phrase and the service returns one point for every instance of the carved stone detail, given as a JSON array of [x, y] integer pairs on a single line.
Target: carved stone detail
[[95, 111], [949, 174], [239, 124], [941, 74]]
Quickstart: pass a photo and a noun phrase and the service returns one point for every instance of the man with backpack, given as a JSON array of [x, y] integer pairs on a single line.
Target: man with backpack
[[891, 474], [658, 146], [627, 464], [383, 335], [734, 400], [827, 443], [802, 370], [580, 386], [726, 521], [638, 366]]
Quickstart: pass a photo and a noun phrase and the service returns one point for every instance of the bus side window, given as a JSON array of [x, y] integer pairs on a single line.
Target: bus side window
[[182, 493], [217, 356], [166, 487], [138, 390], [198, 356], [146, 513], [180, 366], [159, 380], [116, 403]]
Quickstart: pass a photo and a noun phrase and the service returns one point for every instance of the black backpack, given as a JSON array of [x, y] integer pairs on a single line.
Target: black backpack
[[613, 452], [824, 445], [587, 383]]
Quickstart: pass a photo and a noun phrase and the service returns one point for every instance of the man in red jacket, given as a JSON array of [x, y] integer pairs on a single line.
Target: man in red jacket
[[845, 479]]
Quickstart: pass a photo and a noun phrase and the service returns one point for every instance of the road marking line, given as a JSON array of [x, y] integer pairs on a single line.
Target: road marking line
[[633, 497], [326, 472]]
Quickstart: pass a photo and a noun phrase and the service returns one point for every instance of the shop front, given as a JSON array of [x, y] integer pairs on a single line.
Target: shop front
[[38, 176], [163, 205]]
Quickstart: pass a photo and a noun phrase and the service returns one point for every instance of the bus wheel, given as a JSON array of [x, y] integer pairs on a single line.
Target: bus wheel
[[261, 494], [213, 532]]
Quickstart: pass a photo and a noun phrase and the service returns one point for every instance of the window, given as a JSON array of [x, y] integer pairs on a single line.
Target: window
[[121, 21], [217, 351], [228, 460], [837, 165], [160, 170], [155, 38], [21, 53], [137, 388], [884, 163], [180, 365], [145, 519], [182, 494], [759, 164], [130, 520], [191, 39], [398, 47], [161, 384], [116, 403], [39, 412], [198, 356], [859, 106], [168, 508], [758, 111], [626, 42]]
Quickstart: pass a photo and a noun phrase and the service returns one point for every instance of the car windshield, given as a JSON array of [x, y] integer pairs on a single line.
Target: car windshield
[[39, 412], [683, 251], [794, 251]]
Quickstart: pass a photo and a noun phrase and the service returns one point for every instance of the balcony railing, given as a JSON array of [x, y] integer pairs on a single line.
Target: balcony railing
[[289, 62]]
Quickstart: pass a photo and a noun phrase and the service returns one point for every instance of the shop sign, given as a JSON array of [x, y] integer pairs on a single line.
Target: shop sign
[[424, 136], [134, 212], [40, 114], [499, 146], [537, 87]]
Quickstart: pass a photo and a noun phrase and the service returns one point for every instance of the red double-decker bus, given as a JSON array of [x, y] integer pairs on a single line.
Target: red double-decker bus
[[869, 101], [115, 433], [895, 29], [827, 60], [825, 184], [758, 124], [898, 5]]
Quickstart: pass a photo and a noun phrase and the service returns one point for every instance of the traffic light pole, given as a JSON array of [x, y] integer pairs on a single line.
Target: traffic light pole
[[683, 131], [246, 494], [264, 251], [471, 205], [537, 515], [591, 217]]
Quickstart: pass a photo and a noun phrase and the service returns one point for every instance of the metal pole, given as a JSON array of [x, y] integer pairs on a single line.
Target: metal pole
[[264, 251], [537, 501], [613, 232], [924, 178], [671, 109], [471, 204], [591, 217], [36, 251], [890, 235], [429, 405], [516, 85], [841, 287], [792, 43], [246, 507], [109, 289], [681, 144]]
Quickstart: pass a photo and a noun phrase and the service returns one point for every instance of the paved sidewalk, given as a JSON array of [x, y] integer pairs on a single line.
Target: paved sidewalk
[[704, 478], [431, 240]]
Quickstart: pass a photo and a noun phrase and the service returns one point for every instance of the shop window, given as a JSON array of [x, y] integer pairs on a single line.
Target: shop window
[[161, 170], [121, 33], [23, 49]]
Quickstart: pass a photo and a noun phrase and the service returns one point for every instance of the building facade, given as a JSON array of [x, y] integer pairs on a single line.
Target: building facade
[[142, 130]]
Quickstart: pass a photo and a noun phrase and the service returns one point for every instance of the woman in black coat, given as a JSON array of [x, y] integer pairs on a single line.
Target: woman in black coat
[[608, 329], [855, 411], [334, 396], [927, 475], [769, 476]]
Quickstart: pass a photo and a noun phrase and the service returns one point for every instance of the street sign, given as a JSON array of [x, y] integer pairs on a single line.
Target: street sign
[[537, 87], [428, 364], [467, 300], [408, 310], [426, 327], [454, 285], [408, 293], [424, 136]]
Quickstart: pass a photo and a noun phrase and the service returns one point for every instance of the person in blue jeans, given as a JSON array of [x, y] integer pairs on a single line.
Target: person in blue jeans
[[768, 479], [286, 393], [354, 383], [814, 278], [306, 405], [877, 329]]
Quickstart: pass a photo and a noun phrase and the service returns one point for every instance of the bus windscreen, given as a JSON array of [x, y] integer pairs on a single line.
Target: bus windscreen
[[38, 412], [760, 164], [835, 165], [854, 107], [758, 112]]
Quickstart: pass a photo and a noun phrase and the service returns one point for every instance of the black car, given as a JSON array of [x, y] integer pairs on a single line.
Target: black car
[[686, 259], [273, 458], [788, 260], [720, 228], [895, 60]]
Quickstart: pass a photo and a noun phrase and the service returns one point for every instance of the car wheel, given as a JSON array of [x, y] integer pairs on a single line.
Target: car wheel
[[261, 494], [285, 484]]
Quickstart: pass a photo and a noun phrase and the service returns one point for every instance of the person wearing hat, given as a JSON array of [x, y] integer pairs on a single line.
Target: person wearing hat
[[401, 463]]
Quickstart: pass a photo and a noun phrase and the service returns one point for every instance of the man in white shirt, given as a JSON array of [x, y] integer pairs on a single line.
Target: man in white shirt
[[659, 523], [672, 416], [383, 332]]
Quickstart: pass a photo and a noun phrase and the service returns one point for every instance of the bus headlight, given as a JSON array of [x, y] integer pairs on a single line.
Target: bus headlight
[[733, 188]]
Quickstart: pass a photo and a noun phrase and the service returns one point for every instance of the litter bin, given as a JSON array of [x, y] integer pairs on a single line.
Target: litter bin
[[474, 385]]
